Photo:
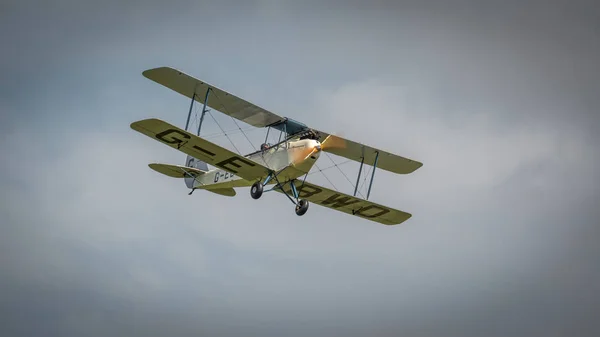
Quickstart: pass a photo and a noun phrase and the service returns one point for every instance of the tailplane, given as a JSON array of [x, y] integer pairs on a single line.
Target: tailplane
[[176, 171]]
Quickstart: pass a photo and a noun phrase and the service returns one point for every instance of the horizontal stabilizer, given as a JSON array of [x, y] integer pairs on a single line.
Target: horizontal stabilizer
[[347, 203], [176, 171], [228, 192]]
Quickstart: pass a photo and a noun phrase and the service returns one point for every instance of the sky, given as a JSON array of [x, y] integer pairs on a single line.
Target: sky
[[498, 99]]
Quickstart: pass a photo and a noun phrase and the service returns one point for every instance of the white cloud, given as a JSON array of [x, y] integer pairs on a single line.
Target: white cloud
[[461, 158]]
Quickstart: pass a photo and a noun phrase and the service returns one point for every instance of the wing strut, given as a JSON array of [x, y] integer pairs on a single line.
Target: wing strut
[[373, 174], [358, 178], [187, 123], [203, 110]]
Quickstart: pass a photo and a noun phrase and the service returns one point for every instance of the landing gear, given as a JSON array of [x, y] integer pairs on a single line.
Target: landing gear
[[301, 207], [256, 190], [301, 204]]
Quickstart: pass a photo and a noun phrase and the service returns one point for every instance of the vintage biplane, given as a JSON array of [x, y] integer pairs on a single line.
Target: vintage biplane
[[280, 166]]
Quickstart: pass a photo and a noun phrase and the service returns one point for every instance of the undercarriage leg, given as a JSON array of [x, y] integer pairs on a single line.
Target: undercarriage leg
[[269, 177], [301, 204], [294, 190]]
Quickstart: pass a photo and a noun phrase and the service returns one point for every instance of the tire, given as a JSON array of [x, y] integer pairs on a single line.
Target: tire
[[301, 207], [256, 190]]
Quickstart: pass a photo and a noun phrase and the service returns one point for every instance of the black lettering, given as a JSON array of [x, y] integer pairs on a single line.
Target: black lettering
[[203, 150], [216, 177], [173, 139], [226, 175], [304, 193], [337, 202], [381, 212], [232, 161]]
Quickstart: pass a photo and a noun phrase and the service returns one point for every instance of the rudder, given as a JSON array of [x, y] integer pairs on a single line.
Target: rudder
[[195, 163]]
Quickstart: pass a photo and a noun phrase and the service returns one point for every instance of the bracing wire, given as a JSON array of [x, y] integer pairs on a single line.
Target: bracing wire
[[324, 175], [329, 167], [344, 174], [224, 133], [236, 124], [230, 132], [365, 179], [242, 131]]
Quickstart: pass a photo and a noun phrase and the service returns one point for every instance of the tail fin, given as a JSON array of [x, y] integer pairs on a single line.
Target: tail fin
[[195, 163]]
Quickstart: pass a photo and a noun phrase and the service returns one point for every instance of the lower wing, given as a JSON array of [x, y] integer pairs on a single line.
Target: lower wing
[[347, 203], [202, 149]]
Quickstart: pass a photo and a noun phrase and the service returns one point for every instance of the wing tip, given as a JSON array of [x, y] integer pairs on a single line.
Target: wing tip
[[149, 72], [415, 165], [418, 165], [137, 124], [408, 216]]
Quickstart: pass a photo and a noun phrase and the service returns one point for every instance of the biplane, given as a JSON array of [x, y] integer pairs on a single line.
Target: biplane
[[280, 167]]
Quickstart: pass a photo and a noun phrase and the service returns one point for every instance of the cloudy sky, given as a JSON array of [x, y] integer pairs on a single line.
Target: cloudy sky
[[498, 99]]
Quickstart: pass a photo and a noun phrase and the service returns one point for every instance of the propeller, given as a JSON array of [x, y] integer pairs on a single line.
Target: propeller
[[310, 151], [332, 142]]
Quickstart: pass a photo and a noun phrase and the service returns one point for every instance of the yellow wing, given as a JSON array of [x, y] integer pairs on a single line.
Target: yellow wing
[[347, 203], [202, 149], [356, 151], [222, 101]]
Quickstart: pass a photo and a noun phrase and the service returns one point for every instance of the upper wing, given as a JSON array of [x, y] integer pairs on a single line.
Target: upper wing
[[200, 148], [256, 116], [356, 151], [348, 204], [218, 99]]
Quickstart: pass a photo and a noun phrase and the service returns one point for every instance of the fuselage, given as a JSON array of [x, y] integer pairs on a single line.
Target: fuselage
[[294, 158]]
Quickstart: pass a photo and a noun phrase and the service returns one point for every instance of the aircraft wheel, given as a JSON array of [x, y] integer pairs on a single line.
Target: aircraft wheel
[[301, 207], [256, 190]]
